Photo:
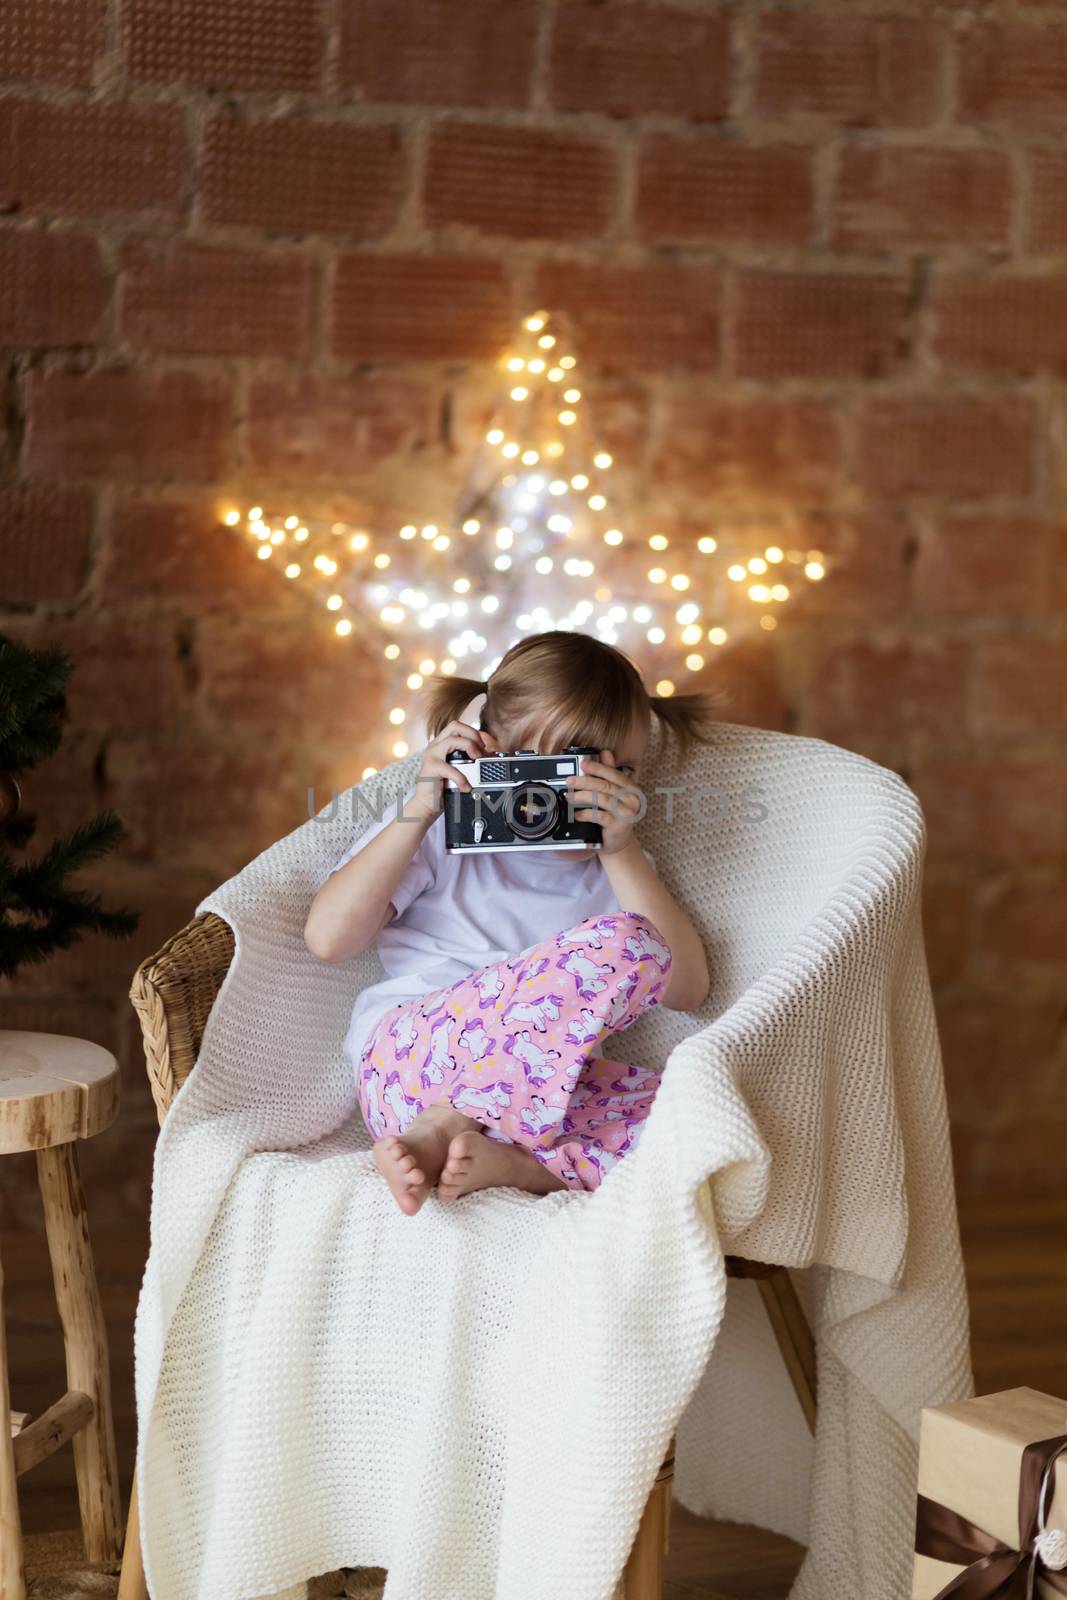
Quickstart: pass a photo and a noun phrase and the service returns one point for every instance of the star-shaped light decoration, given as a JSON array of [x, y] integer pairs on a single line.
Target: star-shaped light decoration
[[538, 540]]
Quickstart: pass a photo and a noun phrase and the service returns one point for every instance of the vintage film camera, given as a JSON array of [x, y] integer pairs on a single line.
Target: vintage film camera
[[517, 801]]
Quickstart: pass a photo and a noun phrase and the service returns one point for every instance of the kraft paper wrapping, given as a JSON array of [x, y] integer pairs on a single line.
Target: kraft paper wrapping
[[970, 1453]]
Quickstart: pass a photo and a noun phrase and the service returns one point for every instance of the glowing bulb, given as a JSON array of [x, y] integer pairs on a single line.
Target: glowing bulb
[[572, 396], [277, 536], [759, 592], [461, 585], [407, 532], [557, 487], [400, 748], [813, 569], [687, 613], [293, 570], [392, 651], [773, 553], [495, 436], [264, 551], [657, 575], [642, 613], [707, 545], [692, 635], [543, 564], [694, 662], [658, 542], [757, 565], [381, 561], [554, 448], [490, 603], [736, 573], [547, 340], [519, 393], [426, 665], [442, 542], [536, 365], [535, 324], [255, 513], [567, 418], [359, 541], [568, 361], [768, 622], [559, 524], [502, 563], [392, 614], [396, 716], [664, 688], [368, 772], [679, 581], [555, 374], [613, 536], [597, 502], [504, 538], [602, 460], [516, 364], [292, 522], [232, 518], [530, 457], [300, 535], [655, 635], [334, 603], [717, 636], [510, 451], [780, 591], [471, 525], [579, 481], [344, 627]]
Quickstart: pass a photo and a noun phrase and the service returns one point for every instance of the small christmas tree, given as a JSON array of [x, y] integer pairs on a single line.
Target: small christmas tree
[[39, 912]]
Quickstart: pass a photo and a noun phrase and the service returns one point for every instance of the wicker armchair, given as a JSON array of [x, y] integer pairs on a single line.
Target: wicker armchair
[[173, 992]]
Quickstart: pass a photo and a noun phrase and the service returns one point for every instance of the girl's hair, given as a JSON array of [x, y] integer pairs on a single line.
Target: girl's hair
[[574, 689]]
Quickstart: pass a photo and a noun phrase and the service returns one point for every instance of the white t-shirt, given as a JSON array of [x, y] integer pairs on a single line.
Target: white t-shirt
[[457, 913]]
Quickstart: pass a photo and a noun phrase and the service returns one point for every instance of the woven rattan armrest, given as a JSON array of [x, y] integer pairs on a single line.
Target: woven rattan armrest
[[173, 992]]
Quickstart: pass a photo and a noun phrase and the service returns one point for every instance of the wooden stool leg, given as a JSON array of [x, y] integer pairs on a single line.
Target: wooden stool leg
[[794, 1336], [643, 1574], [132, 1582], [12, 1570], [85, 1342]]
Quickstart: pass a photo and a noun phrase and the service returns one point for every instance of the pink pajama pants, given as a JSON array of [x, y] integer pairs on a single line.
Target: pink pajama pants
[[513, 1045]]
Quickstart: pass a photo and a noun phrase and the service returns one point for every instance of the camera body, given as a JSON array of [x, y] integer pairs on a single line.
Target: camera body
[[517, 801]]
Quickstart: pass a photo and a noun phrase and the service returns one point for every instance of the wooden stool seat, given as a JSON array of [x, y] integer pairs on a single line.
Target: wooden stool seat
[[55, 1090]]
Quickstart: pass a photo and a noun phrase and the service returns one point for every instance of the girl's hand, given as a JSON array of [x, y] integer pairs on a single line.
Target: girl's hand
[[433, 769], [607, 796]]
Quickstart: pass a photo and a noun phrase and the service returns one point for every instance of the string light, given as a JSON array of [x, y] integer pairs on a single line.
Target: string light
[[533, 538]]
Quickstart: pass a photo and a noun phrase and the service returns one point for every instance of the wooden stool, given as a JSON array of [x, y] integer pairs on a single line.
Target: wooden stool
[[54, 1091]]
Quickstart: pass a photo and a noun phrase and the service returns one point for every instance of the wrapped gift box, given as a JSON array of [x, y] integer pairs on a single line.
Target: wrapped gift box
[[971, 1458]]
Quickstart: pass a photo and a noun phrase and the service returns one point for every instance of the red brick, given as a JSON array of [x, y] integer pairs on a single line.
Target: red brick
[[1010, 324], [718, 190], [821, 325], [990, 1040], [1018, 686], [1054, 587], [862, 691], [519, 182], [119, 422], [52, 40], [866, 559], [1047, 227], [224, 44], [948, 924], [46, 536], [53, 290], [857, 71], [306, 427], [633, 60], [179, 553], [934, 445], [758, 450], [963, 795], [126, 676], [982, 565], [428, 52], [896, 198], [211, 300], [91, 158], [429, 308], [294, 176], [665, 314], [1026, 922], [1014, 75]]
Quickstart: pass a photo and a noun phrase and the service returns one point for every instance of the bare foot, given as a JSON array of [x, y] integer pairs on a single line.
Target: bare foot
[[477, 1162], [411, 1162]]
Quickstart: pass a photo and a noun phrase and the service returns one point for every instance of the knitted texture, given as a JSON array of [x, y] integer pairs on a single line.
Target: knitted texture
[[478, 1398]]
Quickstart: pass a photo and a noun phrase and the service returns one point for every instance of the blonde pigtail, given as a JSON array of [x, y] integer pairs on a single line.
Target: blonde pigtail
[[688, 718], [447, 698]]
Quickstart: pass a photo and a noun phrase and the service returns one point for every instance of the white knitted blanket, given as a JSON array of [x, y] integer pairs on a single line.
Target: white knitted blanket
[[479, 1397]]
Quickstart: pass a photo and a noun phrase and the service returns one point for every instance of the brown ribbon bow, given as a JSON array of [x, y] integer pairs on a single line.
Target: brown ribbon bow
[[995, 1571]]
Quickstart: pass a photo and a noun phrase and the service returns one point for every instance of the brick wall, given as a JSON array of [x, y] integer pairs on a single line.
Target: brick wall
[[817, 257]]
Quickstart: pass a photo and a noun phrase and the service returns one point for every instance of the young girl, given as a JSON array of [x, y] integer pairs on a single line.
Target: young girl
[[476, 1057]]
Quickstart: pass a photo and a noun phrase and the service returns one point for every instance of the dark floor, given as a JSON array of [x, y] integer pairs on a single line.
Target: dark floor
[[1016, 1257]]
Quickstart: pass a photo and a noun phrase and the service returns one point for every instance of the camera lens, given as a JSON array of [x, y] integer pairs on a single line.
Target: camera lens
[[531, 810]]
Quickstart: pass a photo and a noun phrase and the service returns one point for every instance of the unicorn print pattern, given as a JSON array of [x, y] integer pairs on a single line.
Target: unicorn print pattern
[[513, 1046]]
